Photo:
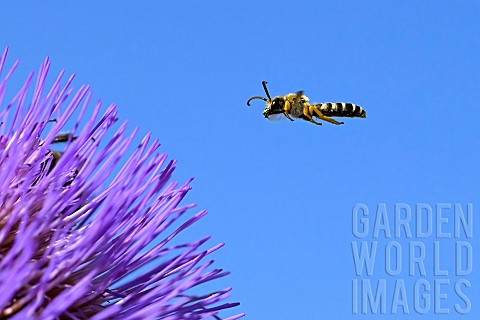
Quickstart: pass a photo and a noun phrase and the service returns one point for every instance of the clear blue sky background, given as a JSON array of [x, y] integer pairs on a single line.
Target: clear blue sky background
[[280, 194]]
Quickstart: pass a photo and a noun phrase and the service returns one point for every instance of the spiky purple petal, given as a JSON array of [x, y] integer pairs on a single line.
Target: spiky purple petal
[[81, 236]]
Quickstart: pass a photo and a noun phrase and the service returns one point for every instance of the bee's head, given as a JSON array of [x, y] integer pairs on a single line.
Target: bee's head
[[276, 106]]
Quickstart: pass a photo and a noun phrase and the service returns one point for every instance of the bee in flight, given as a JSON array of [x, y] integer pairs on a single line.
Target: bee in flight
[[298, 106]]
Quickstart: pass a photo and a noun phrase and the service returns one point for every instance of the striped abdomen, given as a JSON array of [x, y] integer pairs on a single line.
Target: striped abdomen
[[341, 109]]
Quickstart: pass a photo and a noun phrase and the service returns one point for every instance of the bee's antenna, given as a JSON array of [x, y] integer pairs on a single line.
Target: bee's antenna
[[264, 84], [255, 97]]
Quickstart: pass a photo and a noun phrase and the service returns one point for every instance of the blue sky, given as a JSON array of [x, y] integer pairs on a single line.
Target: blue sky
[[280, 194]]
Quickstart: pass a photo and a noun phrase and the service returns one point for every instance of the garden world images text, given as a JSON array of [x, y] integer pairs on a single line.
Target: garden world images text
[[412, 258]]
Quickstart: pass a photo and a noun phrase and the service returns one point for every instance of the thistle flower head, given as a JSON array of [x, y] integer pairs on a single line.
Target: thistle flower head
[[86, 233]]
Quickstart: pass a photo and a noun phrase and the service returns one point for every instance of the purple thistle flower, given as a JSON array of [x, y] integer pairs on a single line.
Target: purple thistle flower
[[81, 239]]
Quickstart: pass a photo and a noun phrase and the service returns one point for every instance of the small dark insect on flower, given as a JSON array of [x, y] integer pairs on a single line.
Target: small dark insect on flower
[[81, 239]]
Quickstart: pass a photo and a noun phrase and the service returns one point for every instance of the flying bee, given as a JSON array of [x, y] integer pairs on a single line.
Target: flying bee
[[297, 105]]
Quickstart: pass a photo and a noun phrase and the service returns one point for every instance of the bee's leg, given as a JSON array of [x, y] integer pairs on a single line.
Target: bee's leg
[[306, 110], [287, 110], [314, 111]]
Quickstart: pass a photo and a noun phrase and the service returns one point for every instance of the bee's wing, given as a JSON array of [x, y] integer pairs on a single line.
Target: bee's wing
[[277, 117], [299, 95], [296, 107]]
